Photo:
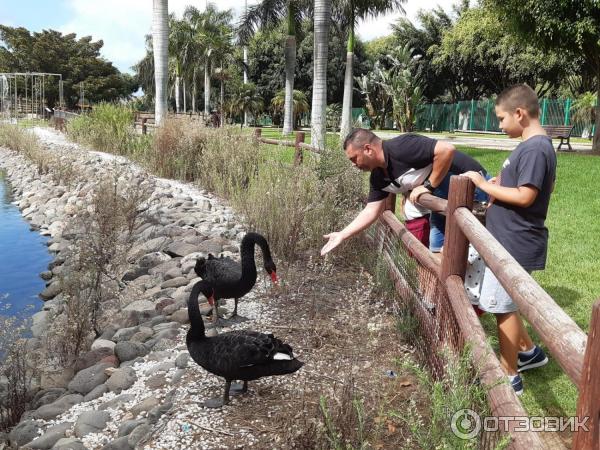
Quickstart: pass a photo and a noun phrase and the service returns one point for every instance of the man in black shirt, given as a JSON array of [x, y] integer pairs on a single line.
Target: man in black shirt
[[409, 162]]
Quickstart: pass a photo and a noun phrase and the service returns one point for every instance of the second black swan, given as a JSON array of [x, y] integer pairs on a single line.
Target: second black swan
[[232, 279], [236, 355]]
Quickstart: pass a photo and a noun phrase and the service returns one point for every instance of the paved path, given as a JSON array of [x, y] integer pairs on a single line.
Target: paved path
[[484, 142]]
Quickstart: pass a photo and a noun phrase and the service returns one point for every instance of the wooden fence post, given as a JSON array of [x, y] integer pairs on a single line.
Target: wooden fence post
[[298, 155], [390, 203], [257, 133], [144, 128], [588, 404], [456, 244]]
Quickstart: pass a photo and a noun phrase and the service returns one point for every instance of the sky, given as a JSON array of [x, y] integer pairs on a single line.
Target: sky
[[123, 24]]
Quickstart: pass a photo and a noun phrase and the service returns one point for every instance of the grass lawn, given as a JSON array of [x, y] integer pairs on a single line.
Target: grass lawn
[[571, 263]]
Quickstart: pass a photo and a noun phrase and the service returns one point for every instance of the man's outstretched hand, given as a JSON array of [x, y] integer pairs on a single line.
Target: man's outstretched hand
[[335, 239]]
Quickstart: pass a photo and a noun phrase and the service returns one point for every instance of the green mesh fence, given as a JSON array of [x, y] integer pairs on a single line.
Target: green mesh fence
[[479, 116]]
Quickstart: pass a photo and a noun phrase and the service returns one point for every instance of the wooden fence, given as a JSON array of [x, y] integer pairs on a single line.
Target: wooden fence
[[565, 340]]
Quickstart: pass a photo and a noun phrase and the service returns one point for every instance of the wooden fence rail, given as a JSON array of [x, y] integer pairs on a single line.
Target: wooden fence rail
[[299, 144]]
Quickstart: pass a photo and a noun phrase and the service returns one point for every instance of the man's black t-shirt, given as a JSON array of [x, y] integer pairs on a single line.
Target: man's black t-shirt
[[520, 230], [409, 160]]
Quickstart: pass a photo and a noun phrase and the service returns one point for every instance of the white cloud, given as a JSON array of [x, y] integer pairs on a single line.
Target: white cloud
[[373, 28], [123, 24]]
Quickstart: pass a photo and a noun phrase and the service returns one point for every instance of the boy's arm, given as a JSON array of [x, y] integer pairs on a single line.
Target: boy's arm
[[522, 196], [365, 218]]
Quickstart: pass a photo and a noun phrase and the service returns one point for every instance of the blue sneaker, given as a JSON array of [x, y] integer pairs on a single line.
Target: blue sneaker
[[538, 359], [517, 384]]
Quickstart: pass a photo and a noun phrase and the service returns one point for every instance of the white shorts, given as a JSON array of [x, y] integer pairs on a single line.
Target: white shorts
[[494, 298]]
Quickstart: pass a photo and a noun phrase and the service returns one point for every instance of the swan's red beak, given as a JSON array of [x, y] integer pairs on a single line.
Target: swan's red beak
[[274, 277], [211, 300]]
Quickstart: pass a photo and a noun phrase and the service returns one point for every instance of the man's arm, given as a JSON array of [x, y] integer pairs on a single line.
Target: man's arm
[[443, 153], [365, 218], [522, 196]]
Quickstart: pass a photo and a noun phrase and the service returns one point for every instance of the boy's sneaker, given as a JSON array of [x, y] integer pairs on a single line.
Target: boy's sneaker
[[538, 359], [517, 384]]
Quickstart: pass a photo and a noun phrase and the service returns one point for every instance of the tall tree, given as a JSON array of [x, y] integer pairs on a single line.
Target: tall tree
[[571, 26], [160, 45], [267, 14], [319, 98], [77, 59], [349, 12], [212, 33], [180, 39]]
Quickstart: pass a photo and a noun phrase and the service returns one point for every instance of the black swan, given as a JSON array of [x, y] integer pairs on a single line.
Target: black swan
[[236, 355], [232, 279]]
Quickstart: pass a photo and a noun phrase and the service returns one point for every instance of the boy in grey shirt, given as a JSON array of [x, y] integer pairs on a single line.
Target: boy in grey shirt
[[518, 207]]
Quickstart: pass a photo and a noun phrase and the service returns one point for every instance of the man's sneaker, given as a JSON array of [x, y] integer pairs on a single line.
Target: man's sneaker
[[538, 359], [517, 384]]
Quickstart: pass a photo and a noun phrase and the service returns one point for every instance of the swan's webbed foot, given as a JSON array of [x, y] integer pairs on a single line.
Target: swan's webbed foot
[[238, 388]]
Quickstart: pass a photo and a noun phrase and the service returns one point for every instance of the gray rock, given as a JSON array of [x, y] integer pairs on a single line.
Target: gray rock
[[109, 332], [46, 396], [57, 407], [177, 376], [166, 326], [153, 245], [24, 432], [46, 275], [163, 303], [88, 359], [175, 283], [95, 393], [142, 335], [173, 272], [180, 248], [134, 272], [145, 405], [103, 343], [128, 350], [88, 379], [128, 426], [169, 333], [181, 316], [58, 378], [214, 245], [124, 334], [139, 433], [118, 444], [40, 321], [165, 267], [155, 413], [153, 259], [51, 291], [182, 360], [121, 379], [91, 422], [69, 444], [140, 311], [51, 436], [116, 402]]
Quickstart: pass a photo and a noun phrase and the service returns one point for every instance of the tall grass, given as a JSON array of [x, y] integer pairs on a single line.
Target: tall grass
[[109, 128]]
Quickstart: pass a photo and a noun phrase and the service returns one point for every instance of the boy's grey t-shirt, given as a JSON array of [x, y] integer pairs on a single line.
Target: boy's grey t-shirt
[[521, 230]]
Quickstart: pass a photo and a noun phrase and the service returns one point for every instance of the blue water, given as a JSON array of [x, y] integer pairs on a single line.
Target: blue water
[[23, 255]]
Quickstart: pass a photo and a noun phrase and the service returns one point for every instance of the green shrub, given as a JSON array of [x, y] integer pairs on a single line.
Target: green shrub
[[109, 128]]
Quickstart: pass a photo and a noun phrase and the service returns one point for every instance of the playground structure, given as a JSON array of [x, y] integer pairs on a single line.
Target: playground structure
[[23, 94]]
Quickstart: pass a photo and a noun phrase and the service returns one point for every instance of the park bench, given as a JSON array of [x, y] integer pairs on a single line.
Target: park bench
[[560, 131]]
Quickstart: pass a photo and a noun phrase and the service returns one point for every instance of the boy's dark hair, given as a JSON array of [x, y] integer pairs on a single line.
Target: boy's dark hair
[[359, 137], [519, 96]]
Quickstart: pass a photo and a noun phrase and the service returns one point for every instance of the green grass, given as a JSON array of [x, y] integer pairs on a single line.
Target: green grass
[[570, 268]]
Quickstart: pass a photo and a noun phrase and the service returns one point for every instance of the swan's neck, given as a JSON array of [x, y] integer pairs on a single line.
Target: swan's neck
[[196, 330], [248, 262]]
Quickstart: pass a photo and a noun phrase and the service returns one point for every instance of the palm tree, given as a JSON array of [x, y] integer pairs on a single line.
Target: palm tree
[[319, 99], [212, 33], [160, 42], [180, 38], [584, 112], [267, 14], [348, 12], [299, 100], [245, 100]]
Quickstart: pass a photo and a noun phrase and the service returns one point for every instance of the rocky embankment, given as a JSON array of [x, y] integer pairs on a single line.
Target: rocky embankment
[[136, 384]]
